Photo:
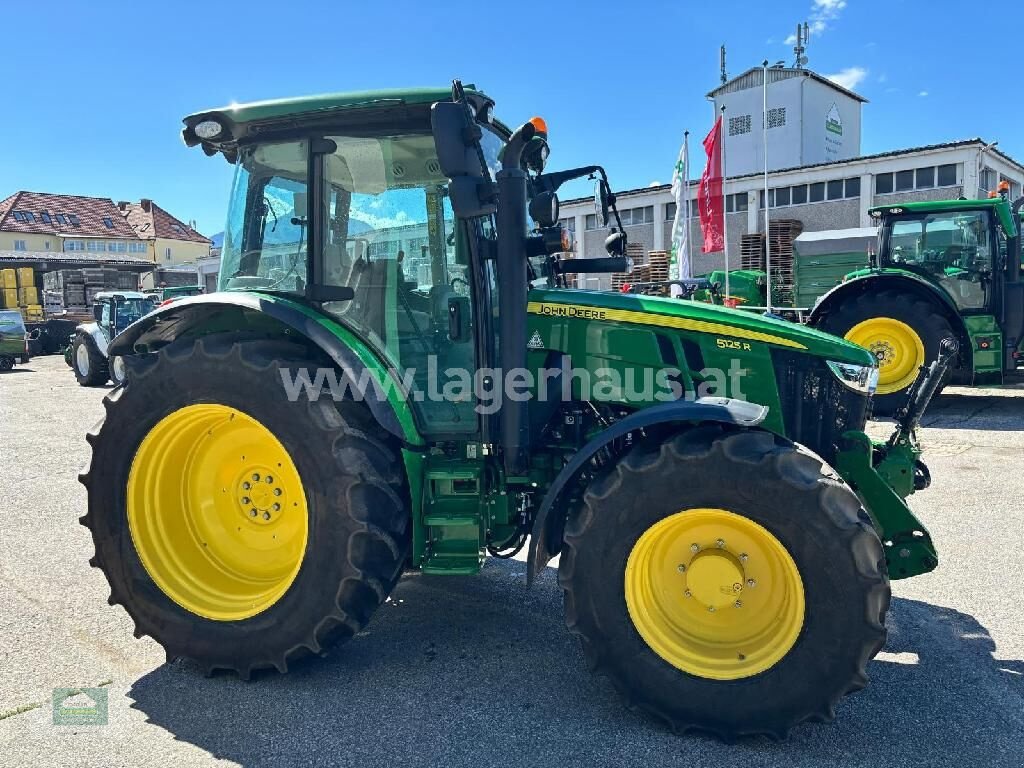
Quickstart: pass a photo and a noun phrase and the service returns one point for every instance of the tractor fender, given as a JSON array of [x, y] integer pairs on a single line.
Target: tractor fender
[[907, 282], [211, 313], [548, 528], [92, 330]]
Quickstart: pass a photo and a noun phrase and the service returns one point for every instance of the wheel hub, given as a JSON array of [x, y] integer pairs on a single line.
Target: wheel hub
[[715, 578], [261, 497]]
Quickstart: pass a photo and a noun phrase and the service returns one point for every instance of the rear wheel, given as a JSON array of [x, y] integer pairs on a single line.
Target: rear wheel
[[117, 369], [724, 582], [6, 363], [88, 363], [282, 527], [902, 332]]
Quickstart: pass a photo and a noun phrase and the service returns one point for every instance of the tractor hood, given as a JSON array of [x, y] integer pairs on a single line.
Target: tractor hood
[[695, 317]]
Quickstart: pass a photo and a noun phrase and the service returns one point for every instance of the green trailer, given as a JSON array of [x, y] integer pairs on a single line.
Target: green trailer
[[377, 387], [821, 260], [13, 339]]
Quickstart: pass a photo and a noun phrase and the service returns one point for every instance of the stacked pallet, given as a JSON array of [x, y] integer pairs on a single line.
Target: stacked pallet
[[658, 262], [8, 289], [637, 253], [781, 234], [752, 251], [69, 284]]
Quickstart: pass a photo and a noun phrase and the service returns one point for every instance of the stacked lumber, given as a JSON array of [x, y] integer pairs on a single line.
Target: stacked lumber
[[752, 251], [781, 234]]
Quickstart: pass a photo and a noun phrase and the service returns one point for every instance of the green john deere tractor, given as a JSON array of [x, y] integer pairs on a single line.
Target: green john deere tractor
[[393, 377], [944, 269]]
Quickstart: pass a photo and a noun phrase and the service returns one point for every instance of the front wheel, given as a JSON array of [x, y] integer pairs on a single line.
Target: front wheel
[[725, 583], [6, 363], [118, 370]]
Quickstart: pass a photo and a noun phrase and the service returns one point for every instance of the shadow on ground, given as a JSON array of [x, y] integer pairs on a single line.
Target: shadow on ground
[[1002, 413], [481, 671]]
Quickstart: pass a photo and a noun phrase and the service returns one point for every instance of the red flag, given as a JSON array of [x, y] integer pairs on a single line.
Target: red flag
[[710, 201]]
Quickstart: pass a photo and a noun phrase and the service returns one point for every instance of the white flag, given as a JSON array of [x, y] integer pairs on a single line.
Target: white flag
[[681, 223]]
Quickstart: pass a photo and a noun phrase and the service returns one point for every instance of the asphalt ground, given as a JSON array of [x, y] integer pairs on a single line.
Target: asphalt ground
[[480, 671]]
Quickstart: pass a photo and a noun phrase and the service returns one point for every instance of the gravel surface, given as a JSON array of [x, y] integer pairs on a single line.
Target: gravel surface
[[480, 671]]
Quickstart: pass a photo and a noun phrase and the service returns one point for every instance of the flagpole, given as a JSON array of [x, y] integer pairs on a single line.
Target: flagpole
[[686, 186], [764, 141], [725, 220]]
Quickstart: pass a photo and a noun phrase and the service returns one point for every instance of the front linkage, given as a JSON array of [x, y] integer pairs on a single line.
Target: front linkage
[[884, 474]]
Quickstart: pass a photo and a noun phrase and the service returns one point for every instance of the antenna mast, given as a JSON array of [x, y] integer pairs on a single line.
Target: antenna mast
[[802, 36], [721, 63]]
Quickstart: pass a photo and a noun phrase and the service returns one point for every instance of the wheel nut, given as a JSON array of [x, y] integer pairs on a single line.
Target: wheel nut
[[680, 567], [751, 583], [711, 609], [276, 507], [278, 491], [743, 557], [246, 485], [720, 543], [245, 499], [266, 515], [252, 513], [695, 547], [270, 479], [687, 593], [738, 603], [256, 476]]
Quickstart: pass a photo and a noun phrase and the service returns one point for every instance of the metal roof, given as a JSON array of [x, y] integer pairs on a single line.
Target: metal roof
[[72, 260], [753, 78]]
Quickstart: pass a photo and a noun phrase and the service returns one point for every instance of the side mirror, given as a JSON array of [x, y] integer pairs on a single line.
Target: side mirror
[[615, 244], [455, 138], [601, 195], [544, 209], [535, 156], [97, 312], [300, 204]]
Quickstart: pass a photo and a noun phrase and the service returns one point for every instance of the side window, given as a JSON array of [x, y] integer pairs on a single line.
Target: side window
[[105, 317], [392, 238]]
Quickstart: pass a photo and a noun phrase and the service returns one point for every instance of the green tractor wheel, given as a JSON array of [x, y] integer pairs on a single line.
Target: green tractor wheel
[[237, 527], [902, 332], [724, 583]]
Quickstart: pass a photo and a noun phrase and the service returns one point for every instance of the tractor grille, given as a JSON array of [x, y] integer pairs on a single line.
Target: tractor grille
[[816, 407]]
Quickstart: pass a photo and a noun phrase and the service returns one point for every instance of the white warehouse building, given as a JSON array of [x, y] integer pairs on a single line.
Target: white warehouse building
[[817, 175]]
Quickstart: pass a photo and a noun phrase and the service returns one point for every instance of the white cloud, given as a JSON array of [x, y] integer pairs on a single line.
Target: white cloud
[[849, 78], [923, 93], [654, 183], [822, 13]]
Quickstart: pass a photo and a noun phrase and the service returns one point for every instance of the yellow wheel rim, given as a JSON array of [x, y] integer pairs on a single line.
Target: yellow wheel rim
[[714, 594], [217, 512], [896, 346]]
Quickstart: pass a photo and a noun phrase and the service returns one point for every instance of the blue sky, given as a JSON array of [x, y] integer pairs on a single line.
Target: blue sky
[[96, 91]]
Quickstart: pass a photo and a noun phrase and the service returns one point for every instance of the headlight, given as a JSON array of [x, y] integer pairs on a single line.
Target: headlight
[[859, 378], [208, 129]]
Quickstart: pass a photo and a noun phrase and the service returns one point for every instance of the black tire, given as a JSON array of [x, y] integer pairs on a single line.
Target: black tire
[[783, 488], [923, 316], [354, 482], [6, 363], [95, 373], [117, 369]]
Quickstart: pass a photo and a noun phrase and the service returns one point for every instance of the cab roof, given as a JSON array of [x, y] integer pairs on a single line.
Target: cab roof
[[998, 204]]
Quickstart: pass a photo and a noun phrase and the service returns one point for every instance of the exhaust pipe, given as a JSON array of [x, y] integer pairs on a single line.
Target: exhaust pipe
[[512, 293]]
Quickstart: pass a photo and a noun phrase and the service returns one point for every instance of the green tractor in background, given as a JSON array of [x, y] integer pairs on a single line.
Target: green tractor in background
[[944, 269], [379, 387]]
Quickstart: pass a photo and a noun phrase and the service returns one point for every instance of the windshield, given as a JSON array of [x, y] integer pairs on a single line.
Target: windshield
[[130, 310], [942, 241]]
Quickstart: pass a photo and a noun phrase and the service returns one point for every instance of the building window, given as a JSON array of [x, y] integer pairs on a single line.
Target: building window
[[817, 193], [74, 245], [136, 247], [670, 212], [946, 176], [167, 251], [1014, 190], [45, 218], [904, 181], [121, 246], [924, 178], [73, 219], [26, 216], [591, 221], [883, 183], [782, 195], [835, 189], [62, 219], [177, 228], [568, 224], [19, 245], [853, 187], [777, 117], [739, 125], [108, 222], [798, 194], [47, 245]]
